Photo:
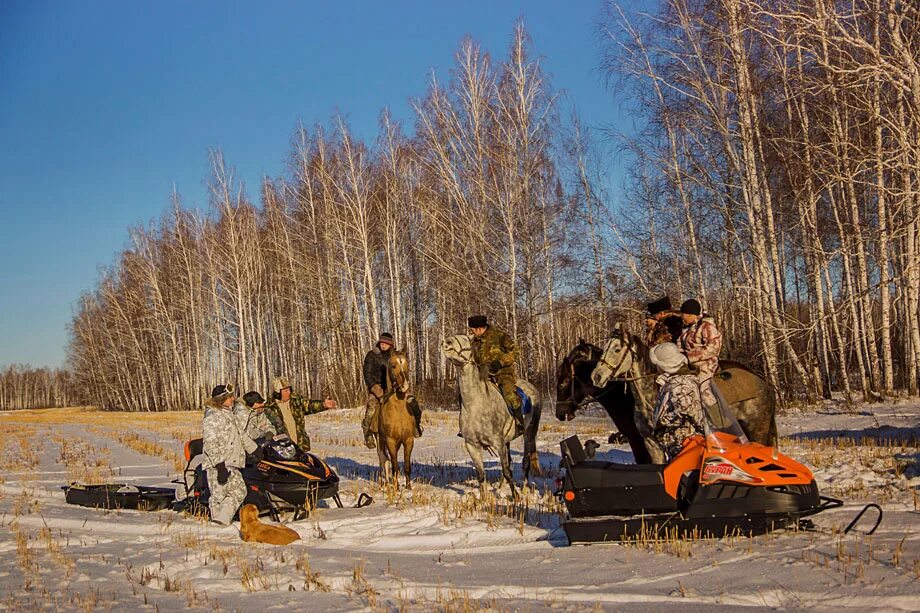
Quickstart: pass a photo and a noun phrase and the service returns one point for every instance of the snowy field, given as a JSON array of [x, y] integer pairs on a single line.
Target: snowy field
[[438, 546]]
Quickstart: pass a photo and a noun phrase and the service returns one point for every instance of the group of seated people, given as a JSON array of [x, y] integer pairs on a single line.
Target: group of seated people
[[684, 345]]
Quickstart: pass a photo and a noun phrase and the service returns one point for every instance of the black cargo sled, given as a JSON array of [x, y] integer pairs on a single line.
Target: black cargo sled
[[120, 496], [719, 485], [286, 479]]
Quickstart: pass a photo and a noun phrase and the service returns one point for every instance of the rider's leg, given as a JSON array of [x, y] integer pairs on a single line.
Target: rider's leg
[[416, 411], [508, 386], [370, 410]]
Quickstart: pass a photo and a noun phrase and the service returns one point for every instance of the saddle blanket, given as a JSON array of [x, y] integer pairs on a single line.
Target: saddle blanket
[[526, 405]]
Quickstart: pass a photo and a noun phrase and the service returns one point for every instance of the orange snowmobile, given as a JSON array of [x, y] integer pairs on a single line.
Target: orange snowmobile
[[719, 484]]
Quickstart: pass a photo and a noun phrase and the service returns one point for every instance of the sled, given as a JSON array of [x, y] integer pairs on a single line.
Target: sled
[[120, 496], [719, 485], [287, 479]]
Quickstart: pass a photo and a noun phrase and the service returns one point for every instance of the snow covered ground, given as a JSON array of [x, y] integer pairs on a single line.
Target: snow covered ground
[[437, 546]]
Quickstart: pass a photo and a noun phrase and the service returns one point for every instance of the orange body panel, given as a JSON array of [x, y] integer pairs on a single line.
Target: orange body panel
[[722, 457]]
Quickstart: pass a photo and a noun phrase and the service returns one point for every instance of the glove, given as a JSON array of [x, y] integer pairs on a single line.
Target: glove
[[496, 365], [484, 372], [377, 391], [222, 473]]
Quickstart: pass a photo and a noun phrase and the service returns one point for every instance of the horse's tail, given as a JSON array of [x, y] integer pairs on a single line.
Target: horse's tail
[[530, 463]]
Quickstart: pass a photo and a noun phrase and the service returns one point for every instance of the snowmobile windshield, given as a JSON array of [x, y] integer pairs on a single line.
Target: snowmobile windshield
[[721, 424]]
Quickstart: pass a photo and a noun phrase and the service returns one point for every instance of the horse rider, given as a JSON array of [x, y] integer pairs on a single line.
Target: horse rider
[[663, 324], [495, 353], [701, 342], [287, 411], [678, 409], [376, 363]]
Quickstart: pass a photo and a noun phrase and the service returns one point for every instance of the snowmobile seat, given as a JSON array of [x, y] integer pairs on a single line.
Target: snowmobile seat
[[194, 448]]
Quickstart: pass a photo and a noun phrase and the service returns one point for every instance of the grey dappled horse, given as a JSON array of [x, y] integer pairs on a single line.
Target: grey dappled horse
[[750, 398], [485, 422]]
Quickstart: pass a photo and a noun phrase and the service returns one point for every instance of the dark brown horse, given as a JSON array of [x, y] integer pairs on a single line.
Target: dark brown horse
[[574, 387]]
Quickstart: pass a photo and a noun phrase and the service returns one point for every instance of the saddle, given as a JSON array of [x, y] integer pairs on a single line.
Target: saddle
[[526, 402]]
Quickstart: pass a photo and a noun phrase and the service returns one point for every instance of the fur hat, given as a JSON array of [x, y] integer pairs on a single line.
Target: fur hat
[[662, 304], [386, 337], [279, 383], [252, 398], [667, 357], [477, 321], [691, 307], [222, 392]]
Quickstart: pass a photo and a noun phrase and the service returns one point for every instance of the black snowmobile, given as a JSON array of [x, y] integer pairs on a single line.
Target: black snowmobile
[[718, 485], [287, 478]]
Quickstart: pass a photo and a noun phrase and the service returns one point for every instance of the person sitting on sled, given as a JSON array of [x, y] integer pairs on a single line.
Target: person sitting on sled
[[376, 363], [701, 341], [225, 447], [678, 409], [663, 324], [252, 415], [495, 353]]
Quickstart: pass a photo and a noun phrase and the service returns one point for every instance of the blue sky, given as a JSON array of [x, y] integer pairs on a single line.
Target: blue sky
[[104, 106]]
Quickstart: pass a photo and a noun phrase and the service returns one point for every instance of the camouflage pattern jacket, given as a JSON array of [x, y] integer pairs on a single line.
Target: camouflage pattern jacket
[[300, 407], [496, 351], [225, 438], [255, 422], [678, 403], [702, 343]]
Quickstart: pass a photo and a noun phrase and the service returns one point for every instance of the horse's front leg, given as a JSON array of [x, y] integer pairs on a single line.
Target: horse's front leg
[[507, 472], [407, 460], [475, 452]]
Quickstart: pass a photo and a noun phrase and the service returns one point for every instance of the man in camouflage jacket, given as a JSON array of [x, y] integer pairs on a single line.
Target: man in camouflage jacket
[[251, 413], [701, 341], [495, 353], [678, 409], [287, 411], [225, 447]]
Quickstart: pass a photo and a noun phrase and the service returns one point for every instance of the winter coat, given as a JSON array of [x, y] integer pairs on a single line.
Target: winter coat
[[666, 330], [225, 438], [375, 367], [496, 351], [702, 343], [678, 411], [255, 423], [299, 407]]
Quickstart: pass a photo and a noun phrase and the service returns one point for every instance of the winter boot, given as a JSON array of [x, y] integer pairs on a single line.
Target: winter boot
[[416, 412]]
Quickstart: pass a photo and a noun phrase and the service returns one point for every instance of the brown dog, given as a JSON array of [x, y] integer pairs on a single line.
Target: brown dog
[[254, 530]]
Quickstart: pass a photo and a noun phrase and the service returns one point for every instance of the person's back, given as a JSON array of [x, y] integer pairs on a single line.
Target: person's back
[[495, 353], [678, 408]]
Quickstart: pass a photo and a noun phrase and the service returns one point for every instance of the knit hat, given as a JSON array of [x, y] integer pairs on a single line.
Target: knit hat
[[662, 304], [477, 321], [222, 392], [386, 337], [252, 398], [667, 357], [280, 383], [691, 307]]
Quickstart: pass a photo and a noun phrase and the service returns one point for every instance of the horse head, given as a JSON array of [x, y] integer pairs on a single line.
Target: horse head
[[458, 349], [398, 371], [617, 358], [573, 379]]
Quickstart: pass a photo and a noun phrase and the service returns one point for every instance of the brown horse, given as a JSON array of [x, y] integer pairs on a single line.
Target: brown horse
[[395, 424]]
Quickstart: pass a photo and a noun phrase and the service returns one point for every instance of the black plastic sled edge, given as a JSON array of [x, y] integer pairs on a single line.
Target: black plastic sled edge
[[120, 496]]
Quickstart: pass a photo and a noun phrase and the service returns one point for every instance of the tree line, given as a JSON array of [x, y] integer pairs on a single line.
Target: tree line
[[24, 387], [774, 173]]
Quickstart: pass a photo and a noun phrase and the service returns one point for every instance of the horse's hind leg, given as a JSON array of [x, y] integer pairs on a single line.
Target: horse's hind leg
[[407, 460], [507, 472], [475, 452]]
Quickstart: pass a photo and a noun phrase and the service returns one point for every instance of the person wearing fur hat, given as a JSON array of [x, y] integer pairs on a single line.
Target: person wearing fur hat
[[376, 362], [663, 324], [225, 447], [701, 342], [678, 410], [251, 413], [496, 353], [287, 411]]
